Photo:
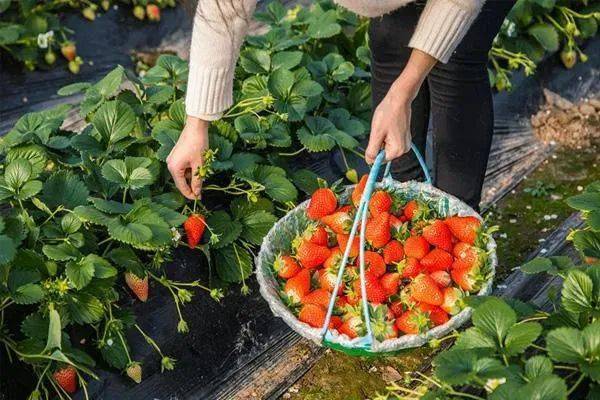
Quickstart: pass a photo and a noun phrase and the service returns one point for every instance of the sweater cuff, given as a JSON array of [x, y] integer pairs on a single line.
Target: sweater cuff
[[441, 27], [209, 92]]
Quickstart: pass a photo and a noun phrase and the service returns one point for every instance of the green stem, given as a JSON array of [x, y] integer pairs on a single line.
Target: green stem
[[577, 382]]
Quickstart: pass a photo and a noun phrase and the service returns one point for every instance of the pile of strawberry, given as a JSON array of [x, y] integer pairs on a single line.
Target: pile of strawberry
[[418, 267]]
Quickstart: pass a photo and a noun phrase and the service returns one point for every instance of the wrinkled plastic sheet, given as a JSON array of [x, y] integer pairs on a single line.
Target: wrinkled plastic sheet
[[293, 223]]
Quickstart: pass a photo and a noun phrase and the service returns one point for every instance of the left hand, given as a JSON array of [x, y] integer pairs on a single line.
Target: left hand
[[390, 128]]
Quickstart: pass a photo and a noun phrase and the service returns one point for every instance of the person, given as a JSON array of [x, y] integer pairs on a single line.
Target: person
[[428, 58]]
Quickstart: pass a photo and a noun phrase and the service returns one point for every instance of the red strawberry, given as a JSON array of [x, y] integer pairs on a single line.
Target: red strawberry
[[415, 209], [390, 282], [437, 260], [153, 12], [311, 255], [298, 286], [319, 297], [468, 254], [378, 232], [410, 267], [413, 322], [69, 51], [381, 201], [393, 252], [316, 234], [66, 378], [374, 263], [439, 235], [453, 300], [339, 222], [467, 277], [397, 307], [334, 259], [436, 314], [312, 314], [424, 289], [442, 278], [464, 228], [285, 266], [358, 190], [139, 286], [376, 293], [343, 242], [327, 279], [322, 202], [194, 227], [416, 246], [335, 322]]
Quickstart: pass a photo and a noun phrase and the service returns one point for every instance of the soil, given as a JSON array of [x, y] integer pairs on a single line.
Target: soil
[[525, 216]]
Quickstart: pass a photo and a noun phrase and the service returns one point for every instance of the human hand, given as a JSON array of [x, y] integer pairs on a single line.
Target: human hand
[[186, 157], [390, 129]]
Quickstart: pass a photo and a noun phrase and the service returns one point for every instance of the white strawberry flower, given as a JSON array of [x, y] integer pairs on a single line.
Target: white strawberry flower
[[176, 236], [44, 38], [492, 384]]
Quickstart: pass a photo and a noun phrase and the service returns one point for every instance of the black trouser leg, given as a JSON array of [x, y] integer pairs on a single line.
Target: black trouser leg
[[460, 98]]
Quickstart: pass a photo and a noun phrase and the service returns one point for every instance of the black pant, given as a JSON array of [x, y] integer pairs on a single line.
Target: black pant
[[457, 94]]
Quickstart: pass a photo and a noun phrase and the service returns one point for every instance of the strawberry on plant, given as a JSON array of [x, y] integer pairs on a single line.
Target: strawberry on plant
[[75, 65], [310, 255], [358, 190], [194, 227], [568, 57], [343, 242], [393, 252], [413, 322], [105, 4], [297, 287], [352, 175], [319, 297], [424, 289], [416, 246], [89, 13], [50, 57], [464, 229], [322, 202], [442, 278], [409, 267], [453, 300], [312, 314], [381, 201], [134, 371], [378, 231], [69, 51], [153, 12], [285, 266], [66, 378], [339, 222], [390, 282], [439, 235], [139, 12], [139, 286], [437, 260]]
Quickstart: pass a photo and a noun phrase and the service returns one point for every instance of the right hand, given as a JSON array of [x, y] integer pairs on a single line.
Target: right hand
[[186, 157]]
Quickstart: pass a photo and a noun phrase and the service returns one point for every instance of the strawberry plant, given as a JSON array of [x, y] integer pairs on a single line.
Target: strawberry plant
[[536, 28], [514, 351], [32, 34]]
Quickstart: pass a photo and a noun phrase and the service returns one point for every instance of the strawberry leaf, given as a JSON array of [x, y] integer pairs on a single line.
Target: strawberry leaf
[[80, 273], [256, 225], [114, 121], [65, 189], [61, 252], [30, 293], [233, 263], [7, 249], [84, 308], [133, 233], [227, 229]]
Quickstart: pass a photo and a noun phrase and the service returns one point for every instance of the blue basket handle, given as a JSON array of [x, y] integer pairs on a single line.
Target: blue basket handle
[[361, 214]]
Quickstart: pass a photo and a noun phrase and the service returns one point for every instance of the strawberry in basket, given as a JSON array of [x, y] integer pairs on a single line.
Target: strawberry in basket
[[419, 265]]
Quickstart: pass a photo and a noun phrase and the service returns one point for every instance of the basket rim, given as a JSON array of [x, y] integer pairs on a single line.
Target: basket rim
[[267, 284]]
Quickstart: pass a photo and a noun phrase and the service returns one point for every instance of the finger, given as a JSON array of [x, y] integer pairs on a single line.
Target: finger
[[196, 180], [373, 147], [182, 184]]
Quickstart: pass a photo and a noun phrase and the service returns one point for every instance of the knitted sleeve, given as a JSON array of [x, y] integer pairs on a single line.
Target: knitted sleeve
[[219, 30], [442, 26]]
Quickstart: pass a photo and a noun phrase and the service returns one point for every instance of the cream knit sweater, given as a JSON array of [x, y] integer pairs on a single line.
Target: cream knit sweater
[[220, 27]]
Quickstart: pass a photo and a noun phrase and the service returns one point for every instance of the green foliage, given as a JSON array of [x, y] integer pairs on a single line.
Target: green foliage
[[32, 33], [540, 355]]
